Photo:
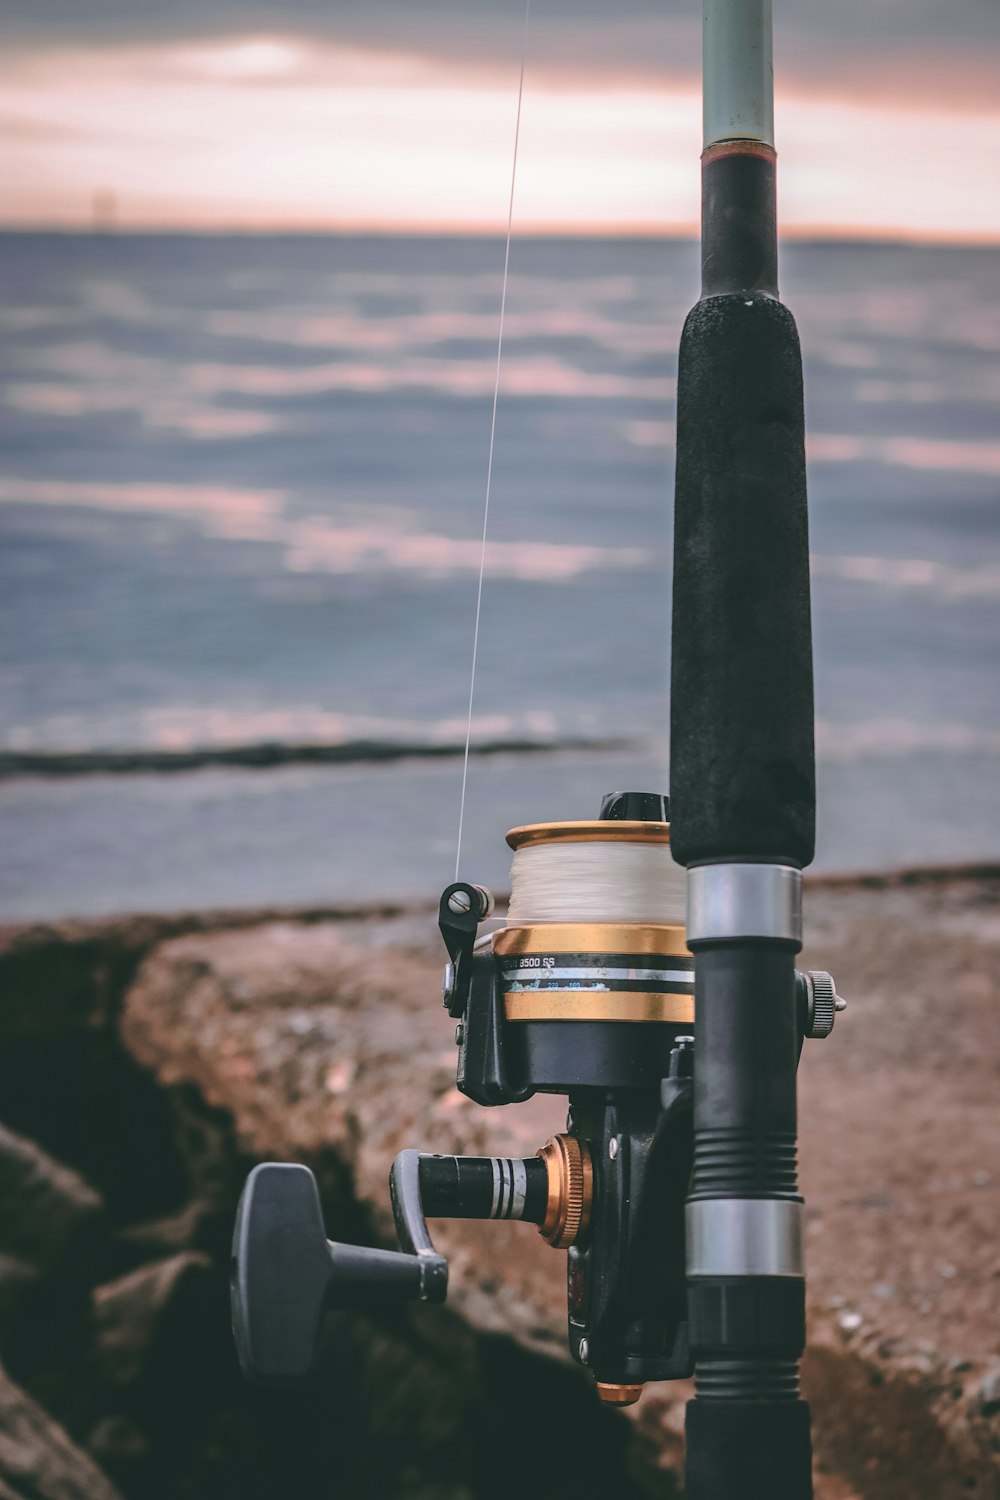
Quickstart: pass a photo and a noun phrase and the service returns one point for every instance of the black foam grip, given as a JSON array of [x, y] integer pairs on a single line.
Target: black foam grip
[[742, 775], [748, 1450]]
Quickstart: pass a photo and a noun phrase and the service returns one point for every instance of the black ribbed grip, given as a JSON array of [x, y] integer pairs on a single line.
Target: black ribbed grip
[[748, 1380], [723, 1157], [742, 777]]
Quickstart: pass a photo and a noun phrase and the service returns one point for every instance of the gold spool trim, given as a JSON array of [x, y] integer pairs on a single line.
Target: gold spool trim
[[591, 937], [599, 1005], [598, 831]]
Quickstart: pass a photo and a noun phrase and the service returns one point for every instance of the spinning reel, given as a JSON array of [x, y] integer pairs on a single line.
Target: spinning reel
[[587, 991]]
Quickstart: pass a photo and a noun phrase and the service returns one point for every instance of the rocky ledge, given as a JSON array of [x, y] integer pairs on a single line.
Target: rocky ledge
[[146, 1064]]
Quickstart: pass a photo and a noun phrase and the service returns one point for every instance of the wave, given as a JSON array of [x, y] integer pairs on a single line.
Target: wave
[[314, 544], [947, 581], [268, 754], [894, 739]]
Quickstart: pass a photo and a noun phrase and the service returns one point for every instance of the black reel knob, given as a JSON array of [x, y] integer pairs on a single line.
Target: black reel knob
[[286, 1274], [639, 807]]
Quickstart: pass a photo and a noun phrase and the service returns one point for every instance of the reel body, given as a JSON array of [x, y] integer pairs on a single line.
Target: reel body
[[601, 1011]]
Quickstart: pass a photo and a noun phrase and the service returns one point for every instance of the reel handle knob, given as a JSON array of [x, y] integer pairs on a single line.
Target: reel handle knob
[[286, 1274]]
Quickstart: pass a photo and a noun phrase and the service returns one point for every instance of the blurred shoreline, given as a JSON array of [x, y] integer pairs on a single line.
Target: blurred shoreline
[[267, 754], [641, 234], [140, 930]]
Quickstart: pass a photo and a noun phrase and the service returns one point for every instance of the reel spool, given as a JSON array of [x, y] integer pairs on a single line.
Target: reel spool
[[606, 870], [595, 937]]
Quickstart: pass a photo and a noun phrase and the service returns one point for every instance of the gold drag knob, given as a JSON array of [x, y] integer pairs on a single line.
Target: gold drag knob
[[571, 1190]]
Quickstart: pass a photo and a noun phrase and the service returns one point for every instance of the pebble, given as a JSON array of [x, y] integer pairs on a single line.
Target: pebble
[[340, 1075], [985, 1400], [849, 1322]]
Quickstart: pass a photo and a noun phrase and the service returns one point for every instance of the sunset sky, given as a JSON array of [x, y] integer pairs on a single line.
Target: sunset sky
[[399, 114]]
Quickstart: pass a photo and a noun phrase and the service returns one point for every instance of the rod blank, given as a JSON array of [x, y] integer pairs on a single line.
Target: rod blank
[[738, 72]]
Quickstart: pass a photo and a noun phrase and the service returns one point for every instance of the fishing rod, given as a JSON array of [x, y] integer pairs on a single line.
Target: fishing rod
[[646, 966], [743, 784]]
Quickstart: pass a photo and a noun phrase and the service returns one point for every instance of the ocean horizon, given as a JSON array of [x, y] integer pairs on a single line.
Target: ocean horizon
[[241, 497]]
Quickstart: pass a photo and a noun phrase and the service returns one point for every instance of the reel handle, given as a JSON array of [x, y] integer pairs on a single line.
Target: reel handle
[[286, 1274]]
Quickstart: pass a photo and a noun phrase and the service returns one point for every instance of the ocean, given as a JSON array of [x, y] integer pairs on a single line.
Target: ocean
[[241, 495]]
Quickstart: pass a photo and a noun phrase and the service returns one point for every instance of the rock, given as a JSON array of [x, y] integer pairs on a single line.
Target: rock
[[323, 1040], [326, 1047], [223, 1012], [45, 1207], [148, 1322], [158, 1238], [985, 1400], [17, 1278], [38, 1461], [119, 1445]]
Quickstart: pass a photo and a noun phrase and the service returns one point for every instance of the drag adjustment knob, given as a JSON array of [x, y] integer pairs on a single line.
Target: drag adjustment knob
[[286, 1274], [822, 1003]]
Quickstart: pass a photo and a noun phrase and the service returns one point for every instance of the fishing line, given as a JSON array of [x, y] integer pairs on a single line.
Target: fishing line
[[591, 880], [493, 431]]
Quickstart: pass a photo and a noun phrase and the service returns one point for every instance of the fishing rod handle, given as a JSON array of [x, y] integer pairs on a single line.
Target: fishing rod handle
[[742, 772], [748, 1433], [749, 1450]]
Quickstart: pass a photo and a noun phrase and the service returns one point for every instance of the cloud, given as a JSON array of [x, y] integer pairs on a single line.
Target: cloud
[[243, 112], [949, 50], [15, 128]]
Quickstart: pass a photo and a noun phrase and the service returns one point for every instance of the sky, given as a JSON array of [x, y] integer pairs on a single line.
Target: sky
[[399, 115]]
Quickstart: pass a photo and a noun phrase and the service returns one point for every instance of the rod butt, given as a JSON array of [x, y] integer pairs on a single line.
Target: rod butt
[[748, 1450]]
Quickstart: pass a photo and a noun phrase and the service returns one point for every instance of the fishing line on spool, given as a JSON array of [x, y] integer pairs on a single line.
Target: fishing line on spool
[[596, 881], [493, 432]]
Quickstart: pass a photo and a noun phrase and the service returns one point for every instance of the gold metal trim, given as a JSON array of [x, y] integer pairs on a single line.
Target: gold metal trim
[[598, 831], [571, 1190], [591, 937], [738, 148], [618, 1395], [599, 1005]]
